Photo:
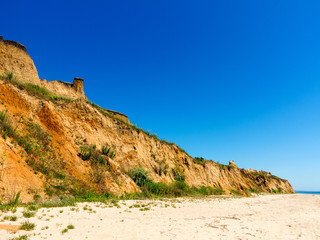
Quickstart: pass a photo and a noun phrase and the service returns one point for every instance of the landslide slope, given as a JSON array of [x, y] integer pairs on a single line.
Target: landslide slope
[[53, 145], [62, 131]]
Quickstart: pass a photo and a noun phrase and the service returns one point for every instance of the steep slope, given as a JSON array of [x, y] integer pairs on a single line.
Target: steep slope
[[53, 145]]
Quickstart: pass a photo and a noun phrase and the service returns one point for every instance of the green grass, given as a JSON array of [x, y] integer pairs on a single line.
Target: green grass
[[10, 218], [21, 237], [67, 229], [107, 151], [235, 192], [33, 89], [279, 190], [175, 189], [199, 160], [39, 152], [138, 129], [28, 226], [70, 226], [28, 214]]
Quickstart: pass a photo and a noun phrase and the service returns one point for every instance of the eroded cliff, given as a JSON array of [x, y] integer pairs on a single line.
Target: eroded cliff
[[53, 145]]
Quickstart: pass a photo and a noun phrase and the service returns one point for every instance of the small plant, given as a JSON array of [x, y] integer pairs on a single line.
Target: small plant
[[99, 160], [70, 226], [235, 192], [13, 218], [221, 166], [10, 75], [107, 151], [67, 229], [32, 208], [28, 226], [28, 214], [3, 115], [21, 237], [36, 197], [199, 160], [14, 199], [86, 152]]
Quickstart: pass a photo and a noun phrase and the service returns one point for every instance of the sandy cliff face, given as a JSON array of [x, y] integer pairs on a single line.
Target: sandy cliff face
[[14, 57], [74, 125]]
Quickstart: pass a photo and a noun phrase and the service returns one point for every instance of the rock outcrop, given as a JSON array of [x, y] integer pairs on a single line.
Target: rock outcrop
[[76, 125], [14, 58]]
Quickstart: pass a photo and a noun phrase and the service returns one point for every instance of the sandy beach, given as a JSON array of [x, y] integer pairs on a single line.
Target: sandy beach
[[260, 217]]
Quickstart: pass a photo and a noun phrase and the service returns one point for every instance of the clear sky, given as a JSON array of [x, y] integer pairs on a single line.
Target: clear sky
[[226, 80]]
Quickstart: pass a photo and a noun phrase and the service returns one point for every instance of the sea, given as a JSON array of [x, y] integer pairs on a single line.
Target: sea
[[308, 192]]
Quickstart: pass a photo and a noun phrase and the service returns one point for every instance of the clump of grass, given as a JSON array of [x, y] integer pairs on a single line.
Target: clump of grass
[[87, 151], [199, 160], [21, 237], [221, 166], [67, 229], [235, 192], [33, 89], [178, 173], [175, 189], [99, 160], [28, 226], [279, 190], [70, 226], [10, 218], [107, 151], [32, 208], [28, 214]]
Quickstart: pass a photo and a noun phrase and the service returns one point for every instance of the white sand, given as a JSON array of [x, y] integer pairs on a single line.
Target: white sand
[[262, 217]]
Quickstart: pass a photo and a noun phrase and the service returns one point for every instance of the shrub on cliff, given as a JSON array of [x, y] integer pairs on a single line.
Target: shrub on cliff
[[139, 176]]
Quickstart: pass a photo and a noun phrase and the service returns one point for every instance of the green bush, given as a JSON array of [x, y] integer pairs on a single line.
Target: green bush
[[139, 176], [178, 174], [199, 160]]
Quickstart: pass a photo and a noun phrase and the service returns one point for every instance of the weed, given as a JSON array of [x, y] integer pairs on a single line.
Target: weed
[[106, 150], [21, 237], [28, 214], [221, 166], [10, 218], [235, 192], [28, 226], [199, 160], [32, 208], [14, 199], [70, 226]]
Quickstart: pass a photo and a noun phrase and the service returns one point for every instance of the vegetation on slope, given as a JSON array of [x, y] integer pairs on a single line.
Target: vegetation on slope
[[33, 89], [41, 156]]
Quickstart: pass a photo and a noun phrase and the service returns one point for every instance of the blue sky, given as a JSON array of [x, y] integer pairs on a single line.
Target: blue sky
[[224, 80]]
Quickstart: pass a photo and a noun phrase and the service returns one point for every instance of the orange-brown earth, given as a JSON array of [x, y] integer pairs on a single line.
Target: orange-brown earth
[[77, 123]]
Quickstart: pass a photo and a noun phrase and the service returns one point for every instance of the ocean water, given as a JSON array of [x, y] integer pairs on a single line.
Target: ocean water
[[308, 192]]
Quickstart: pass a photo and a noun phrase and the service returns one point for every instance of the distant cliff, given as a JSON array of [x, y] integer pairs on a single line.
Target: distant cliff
[[54, 141]]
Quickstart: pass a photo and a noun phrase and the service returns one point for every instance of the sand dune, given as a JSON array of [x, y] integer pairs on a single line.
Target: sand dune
[[261, 217]]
